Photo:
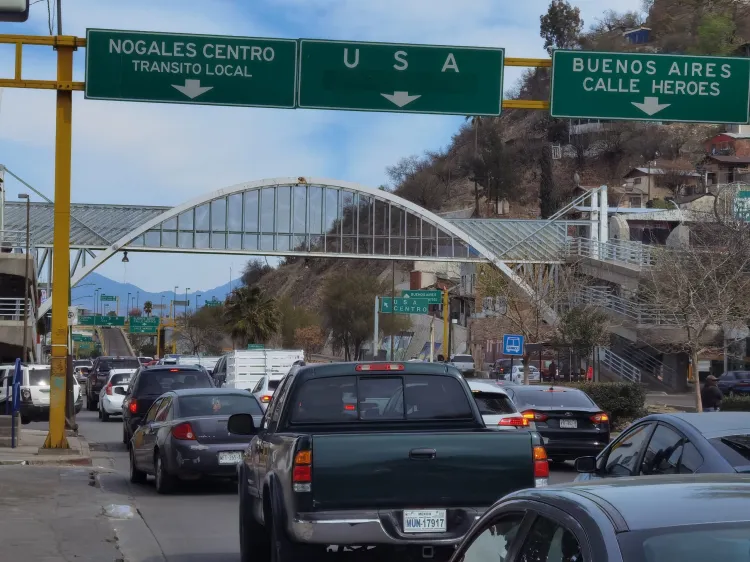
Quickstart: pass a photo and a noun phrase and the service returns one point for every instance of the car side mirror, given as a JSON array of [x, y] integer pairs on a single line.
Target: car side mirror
[[241, 424], [586, 465], [120, 390]]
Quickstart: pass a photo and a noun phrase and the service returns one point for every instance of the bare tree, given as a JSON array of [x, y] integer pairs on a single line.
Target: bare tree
[[702, 289]]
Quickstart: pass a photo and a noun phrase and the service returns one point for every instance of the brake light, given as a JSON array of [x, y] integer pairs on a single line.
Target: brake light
[[133, 406], [519, 421], [379, 367], [541, 466], [531, 415], [108, 390], [184, 432], [600, 418], [174, 370], [266, 398], [302, 471]]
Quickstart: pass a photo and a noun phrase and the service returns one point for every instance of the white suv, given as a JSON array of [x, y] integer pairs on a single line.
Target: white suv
[[35, 390], [113, 393]]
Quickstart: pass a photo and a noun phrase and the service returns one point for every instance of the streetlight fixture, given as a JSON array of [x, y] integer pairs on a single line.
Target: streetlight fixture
[[26, 292], [125, 257], [186, 302]]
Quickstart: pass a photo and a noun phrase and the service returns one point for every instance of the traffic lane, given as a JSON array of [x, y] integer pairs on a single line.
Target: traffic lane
[[561, 473]]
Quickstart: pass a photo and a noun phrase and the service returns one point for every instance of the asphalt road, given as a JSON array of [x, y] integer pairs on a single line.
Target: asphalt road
[[199, 523]]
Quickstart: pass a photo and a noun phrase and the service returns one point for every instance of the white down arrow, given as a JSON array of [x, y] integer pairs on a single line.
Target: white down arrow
[[192, 88], [651, 106], [400, 98]]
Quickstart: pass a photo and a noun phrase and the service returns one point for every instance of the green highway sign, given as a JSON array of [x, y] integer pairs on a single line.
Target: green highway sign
[[650, 87], [87, 320], [404, 306], [255, 346], [213, 302], [107, 298], [143, 325], [86, 345], [197, 69], [742, 206], [81, 337], [100, 320], [433, 297], [148, 330], [399, 77]]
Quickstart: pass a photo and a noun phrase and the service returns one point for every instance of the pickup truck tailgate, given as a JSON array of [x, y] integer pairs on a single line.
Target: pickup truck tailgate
[[420, 469]]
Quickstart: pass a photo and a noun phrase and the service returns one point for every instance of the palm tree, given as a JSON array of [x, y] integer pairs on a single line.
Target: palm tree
[[250, 316], [148, 307]]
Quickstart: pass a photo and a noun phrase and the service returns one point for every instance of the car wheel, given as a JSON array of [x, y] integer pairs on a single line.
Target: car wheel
[[136, 476], [90, 403], [125, 437], [283, 549], [165, 482], [103, 414], [25, 420], [255, 544]]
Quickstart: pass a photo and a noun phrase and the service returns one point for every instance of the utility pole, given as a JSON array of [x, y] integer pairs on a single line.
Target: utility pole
[[393, 293], [26, 291]]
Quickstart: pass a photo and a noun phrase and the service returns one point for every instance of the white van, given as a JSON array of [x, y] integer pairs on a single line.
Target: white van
[[35, 391], [243, 369]]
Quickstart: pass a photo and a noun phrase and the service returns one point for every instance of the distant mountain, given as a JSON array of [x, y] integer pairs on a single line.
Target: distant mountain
[[83, 295]]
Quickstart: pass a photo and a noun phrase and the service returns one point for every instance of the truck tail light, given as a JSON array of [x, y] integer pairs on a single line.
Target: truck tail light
[[518, 421], [541, 467], [379, 367], [601, 417], [302, 471], [184, 432], [133, 406], [266, 398], [531, 415]]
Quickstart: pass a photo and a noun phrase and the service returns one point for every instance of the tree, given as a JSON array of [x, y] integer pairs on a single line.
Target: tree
[[347, 308], [310, 339], [704, 288], [717, 35], [547, 199], [581, 328], [292, 318], [254, 270], [561, 26], [204, 330], [251, 316], [113, 313], [134, 312], [148, 306], [675, 180]]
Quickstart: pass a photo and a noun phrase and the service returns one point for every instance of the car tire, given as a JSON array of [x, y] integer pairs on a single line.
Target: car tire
[[25, 420], [136, 476], [255, 542], [125, 437], [103, 415], [165, 483], [282, 548], [91, 404]]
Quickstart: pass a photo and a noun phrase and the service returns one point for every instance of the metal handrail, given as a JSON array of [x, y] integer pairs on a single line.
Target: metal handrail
[[13, 309], [619, 366], [625, 251], [638, 311]]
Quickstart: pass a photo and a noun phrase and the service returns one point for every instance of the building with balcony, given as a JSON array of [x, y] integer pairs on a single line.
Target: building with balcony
[[15, 308]]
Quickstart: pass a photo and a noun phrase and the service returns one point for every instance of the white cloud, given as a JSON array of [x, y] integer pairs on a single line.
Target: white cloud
[[164, 154]]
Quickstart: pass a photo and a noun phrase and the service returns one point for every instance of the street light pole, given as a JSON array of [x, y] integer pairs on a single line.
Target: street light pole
[[26, 292], [138, 300], [196, 301], [174, 303], [186, 302]]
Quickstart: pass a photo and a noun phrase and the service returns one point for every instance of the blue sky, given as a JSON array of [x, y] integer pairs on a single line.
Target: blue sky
[[161, 154]]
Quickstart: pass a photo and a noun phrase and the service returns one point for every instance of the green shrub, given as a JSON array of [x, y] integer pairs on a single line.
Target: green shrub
[[622, 401], [736, 404]]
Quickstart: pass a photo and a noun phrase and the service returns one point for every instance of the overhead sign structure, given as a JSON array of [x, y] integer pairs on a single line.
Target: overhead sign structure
[[143, 325], [433, 297], [513, 345], [197, 69], [404, 306], [101, 320], [399, 77], [650, 87]]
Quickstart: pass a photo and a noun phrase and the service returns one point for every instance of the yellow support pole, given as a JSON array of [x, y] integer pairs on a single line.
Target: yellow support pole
[[446, 326], [56, 438]]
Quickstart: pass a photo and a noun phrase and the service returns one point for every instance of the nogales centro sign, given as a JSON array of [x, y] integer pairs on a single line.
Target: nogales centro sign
[[186, 68]]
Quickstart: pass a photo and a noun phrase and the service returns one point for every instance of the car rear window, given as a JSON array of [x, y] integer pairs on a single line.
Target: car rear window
[[273, 384], [493, 403], [109, 364], [463, 359], [189, 360], [120, 378], [158, 381], [735, 449], [552, 399], [38, 377], [380, 398], [218, 405]]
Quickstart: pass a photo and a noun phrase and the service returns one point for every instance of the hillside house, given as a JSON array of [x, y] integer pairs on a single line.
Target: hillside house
[[660, 181], [720, 169]]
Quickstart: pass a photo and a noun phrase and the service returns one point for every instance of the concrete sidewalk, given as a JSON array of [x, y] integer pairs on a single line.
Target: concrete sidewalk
[[28, 452], [54, 514]]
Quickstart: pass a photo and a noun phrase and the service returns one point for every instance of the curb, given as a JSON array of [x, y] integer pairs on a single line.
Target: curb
[[55, 461]]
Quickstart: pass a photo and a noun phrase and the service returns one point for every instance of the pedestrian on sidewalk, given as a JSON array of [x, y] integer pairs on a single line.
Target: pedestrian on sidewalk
[[711, 395]]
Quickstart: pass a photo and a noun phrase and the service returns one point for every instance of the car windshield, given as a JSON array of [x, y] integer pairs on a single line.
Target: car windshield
[[38, 377], [120, 379], [693, 543], [544, 398], [158, 381], [379, 398], [463, 359], [493, 403], [218, 405], [109, 364]]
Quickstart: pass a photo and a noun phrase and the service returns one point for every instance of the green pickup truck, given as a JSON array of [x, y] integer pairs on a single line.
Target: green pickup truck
[[387, 455]]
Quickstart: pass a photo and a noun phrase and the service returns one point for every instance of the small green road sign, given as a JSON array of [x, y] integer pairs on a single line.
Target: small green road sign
[[85, 345], [650, 87], [404, 306], [197, 69], [143, 325], [107, 298], [213, 302], [400, 77], [87, 320], [742, 206], [81, 337], [110, 320], [433, 297], [255, 346]]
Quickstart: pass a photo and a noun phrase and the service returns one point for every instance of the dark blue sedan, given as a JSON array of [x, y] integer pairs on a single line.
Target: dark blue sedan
[[696, 518], [735, 382], [711, 442], [184, 436]]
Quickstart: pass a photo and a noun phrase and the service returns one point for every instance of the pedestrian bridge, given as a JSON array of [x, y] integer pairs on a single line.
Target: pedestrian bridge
[[306, 217]]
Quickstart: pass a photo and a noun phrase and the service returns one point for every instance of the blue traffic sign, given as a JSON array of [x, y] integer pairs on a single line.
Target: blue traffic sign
[[512, 344]]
